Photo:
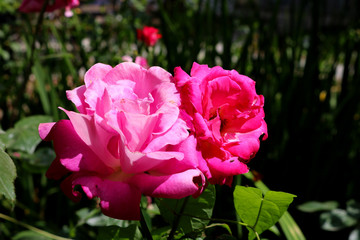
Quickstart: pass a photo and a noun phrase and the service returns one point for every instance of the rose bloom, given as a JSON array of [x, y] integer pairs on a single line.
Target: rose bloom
[[36, 5], [126, 140], [149, 35], [225, 115]]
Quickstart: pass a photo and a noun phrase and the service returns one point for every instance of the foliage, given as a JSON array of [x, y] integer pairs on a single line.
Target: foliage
[[7, 176], [333, 218], [304, 56], [260, 212]]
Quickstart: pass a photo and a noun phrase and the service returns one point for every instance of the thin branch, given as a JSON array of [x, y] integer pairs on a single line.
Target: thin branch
[[34, 229]]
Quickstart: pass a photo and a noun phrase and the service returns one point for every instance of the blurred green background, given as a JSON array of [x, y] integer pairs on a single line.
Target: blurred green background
[[303, 55]]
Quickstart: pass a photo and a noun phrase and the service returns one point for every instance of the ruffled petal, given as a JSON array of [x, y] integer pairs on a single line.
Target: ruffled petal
[[94, 136], [180, 77], [246, 147], [72, 152], [222, 169], [96, 73], [77, 97], [45, 131], [137, 162], [199, 71], [177, 133], [176, 186]]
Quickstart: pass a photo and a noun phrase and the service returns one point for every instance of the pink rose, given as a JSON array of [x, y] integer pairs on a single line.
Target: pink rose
[[226, 117], [36, 5], [149, 35], [126, 140]]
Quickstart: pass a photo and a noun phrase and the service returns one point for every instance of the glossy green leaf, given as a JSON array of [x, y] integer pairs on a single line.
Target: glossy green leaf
[[260, 212], [7, 176], [336, 220], [196, 213], [24, 136], [287, 223], [315, 206]]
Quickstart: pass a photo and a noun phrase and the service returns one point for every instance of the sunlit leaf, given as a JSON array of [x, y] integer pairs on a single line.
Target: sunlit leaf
[[24, 136], [258, 211], [315, 206], [195, 213], [7, 176]]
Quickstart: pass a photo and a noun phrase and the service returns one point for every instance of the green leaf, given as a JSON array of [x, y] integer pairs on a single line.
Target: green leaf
[[117, 233], [290, 228], [314, 206], [222, 225], [39, 72], [24, 136], [258, 212], [336, 220], [102, 220], [161, 233], [196, 211], [7, 176], [29, 235]]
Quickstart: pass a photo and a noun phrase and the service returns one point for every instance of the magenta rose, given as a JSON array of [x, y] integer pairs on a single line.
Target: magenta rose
[[149, 35], [36, 5], [126, 140], [225, 115]]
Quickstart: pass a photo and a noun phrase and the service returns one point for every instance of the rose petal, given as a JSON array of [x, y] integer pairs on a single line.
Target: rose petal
[[72, 152], [117, 199], [137, 162], [170, 186], [56, 170], [177, 133], [246, 147], [96, 73], [94, 136], [77, 97], [45, 131]]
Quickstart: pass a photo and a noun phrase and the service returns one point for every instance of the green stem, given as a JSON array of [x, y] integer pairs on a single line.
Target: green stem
[[177, 219], [34, 229], [225, 220], [144, 228], [257, 235]]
